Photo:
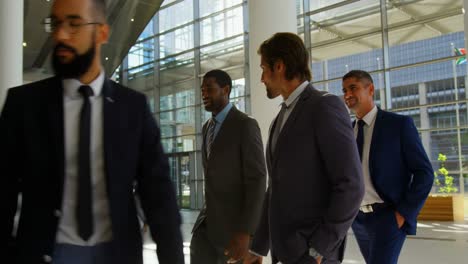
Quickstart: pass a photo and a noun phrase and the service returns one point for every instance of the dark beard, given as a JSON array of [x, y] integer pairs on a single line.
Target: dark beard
[[77, 67]]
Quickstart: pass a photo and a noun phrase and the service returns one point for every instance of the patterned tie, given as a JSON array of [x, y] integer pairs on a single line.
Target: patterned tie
[[84, 210], [360, 136], [278, 123], [210, 135]]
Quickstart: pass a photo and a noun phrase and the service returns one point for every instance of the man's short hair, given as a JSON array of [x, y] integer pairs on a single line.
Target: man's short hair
[[221, 77], [100, 9], [290, 49], [359, 75]]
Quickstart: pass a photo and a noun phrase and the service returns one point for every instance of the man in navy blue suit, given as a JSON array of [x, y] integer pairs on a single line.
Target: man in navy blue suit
[[397, 173]]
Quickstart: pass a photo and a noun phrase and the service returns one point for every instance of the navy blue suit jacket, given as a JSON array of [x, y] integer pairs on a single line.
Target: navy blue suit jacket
[[32, 163], [315, 182], [399, 167]]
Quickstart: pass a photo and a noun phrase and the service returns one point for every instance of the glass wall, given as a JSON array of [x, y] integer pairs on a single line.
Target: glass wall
[[414, 51], [184, 40]]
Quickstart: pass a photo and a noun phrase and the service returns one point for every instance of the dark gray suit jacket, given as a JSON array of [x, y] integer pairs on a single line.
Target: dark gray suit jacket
[[315, 185], [235, 179]]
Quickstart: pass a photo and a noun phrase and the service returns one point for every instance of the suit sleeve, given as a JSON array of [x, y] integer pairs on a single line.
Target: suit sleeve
[[261, 240], [339, 155], [253, 176], [157, 193], [10, 168], [418, 163]]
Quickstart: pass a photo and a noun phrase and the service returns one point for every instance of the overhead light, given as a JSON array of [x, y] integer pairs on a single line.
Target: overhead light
[[107, 58], [132, 19], [463, 10], [25, 44]]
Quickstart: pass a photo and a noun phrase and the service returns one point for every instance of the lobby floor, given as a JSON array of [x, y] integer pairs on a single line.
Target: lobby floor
[[435, 243]]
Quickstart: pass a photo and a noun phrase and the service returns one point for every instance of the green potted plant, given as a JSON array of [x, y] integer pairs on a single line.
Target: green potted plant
[[446, 204], [445, 187]]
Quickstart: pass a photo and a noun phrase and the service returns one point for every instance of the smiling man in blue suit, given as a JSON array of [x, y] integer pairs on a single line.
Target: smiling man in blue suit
[[397, 173]]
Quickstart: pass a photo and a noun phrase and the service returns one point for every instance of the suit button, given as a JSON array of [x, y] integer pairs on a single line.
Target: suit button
[[57, 213], [47, 258]]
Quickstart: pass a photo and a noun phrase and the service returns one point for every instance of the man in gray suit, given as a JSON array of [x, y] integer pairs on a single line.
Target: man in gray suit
[[235, 177], [315, 178]]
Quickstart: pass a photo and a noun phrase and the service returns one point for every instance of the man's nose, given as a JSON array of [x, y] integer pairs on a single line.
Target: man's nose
[[346, 94], [61, 33]]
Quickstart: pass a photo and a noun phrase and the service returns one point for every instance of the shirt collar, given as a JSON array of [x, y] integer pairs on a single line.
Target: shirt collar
[[222, 115], [295, 94], [70, 86], [369, 118]]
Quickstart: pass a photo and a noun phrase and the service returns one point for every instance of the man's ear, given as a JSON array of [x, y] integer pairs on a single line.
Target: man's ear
[[279, 66], [371, 89], [226, 90], [103, 33]]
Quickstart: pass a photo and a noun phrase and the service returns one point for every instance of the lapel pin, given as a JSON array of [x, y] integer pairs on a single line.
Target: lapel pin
[[109, 99]]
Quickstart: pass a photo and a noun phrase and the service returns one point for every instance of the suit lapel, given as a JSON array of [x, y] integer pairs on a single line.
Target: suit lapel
[[269, 156], [111, 129], [204, 154], [223, 130], [56, 126], [375, 135], [290, 122]]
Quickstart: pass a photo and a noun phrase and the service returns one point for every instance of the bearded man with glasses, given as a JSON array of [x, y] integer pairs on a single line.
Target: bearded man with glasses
[[76, 147]]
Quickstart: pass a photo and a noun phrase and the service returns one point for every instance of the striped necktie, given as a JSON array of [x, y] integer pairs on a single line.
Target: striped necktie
[[210, 135]]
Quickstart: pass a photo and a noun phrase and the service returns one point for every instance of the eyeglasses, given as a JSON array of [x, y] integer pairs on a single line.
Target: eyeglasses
[[71, 25]]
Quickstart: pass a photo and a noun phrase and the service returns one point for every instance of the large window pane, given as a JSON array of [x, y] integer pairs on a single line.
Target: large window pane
[[178, 122], [424, 30], [220, 26], [317, 4], [176, 41], [212, 6], [175, 15], [341, 40], [177, 95]]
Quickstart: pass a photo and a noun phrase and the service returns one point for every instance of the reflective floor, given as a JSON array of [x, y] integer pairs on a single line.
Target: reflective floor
[[436, 242]]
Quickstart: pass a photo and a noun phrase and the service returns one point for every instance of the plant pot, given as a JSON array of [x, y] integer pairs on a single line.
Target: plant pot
[[443, 208]]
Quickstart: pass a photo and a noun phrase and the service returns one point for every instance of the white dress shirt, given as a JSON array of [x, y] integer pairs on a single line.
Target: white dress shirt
[[72, 103], [291, 101], [371, 196]]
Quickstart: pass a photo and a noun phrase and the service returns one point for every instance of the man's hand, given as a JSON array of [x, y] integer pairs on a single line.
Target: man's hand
[[400, 219], [252, 259], [238, 247], [319, 260]]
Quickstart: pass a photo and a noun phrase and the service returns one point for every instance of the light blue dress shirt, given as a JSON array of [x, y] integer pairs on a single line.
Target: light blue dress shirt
[[220, 117]]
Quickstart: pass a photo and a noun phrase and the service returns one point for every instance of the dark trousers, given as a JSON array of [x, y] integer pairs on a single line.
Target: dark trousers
[[378, 236], [72, 254]]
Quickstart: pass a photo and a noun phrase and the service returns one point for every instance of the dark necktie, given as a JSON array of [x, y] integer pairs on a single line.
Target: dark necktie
[[84, 210], [360, 136], [278, 123], [210, 135]]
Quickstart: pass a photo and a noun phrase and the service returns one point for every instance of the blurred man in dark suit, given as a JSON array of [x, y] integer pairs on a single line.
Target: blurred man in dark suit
[[75, 146]]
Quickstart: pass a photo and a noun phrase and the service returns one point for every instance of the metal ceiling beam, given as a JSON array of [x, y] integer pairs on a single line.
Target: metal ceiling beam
[[393, 27]]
